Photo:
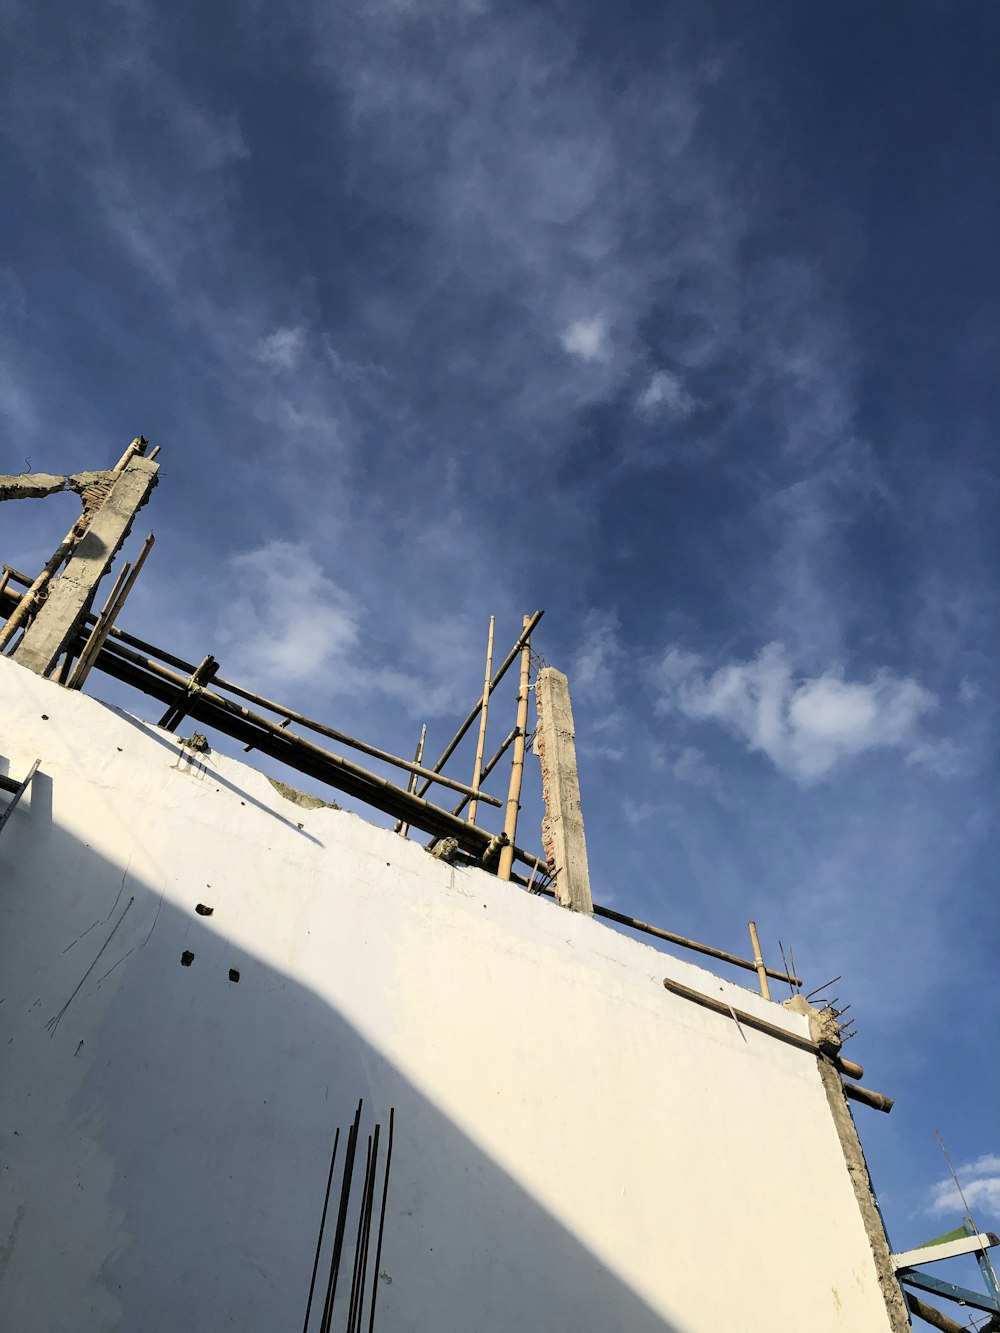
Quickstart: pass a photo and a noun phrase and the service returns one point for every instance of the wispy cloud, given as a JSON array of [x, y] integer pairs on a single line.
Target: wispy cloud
[[666, 393], [980, 1181], [587, 339], [286, 621], [281, 349], [805, 725]]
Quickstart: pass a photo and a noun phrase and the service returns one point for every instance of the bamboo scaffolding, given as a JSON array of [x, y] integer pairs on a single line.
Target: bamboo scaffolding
[[669, 937], [108, 616], [762, 1025], [203, 674], [34, 595], [321, 729], [517, 762], [502, 670], [97, 625], [758, 961], [270, 738], [153, 653], [504, 747], [484, 704], [141, 670], [418, 755], [36, 590]]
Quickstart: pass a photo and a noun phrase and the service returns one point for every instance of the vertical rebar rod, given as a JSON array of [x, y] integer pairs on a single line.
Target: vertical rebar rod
[[758, 961], [357, 1276], [477, 771], [338, 1239], [418, 758], [517, 763], [381, 1220], [322, 1227], [368, 1207]]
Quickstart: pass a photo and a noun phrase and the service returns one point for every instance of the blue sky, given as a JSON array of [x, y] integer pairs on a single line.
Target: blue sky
[[679, 321]]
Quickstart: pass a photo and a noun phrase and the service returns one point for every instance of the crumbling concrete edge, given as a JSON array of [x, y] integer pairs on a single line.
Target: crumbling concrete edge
[[857, 1169], [301, 798]]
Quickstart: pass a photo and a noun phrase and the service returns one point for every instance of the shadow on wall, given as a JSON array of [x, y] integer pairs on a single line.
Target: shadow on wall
[[168, 1105]]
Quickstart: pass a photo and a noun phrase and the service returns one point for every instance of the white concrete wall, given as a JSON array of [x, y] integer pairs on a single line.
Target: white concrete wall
[[576, 1149]]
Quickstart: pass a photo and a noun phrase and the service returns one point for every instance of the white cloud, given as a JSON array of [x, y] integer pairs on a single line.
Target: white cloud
[[281, 349], [980, 1185], [598, 658], [804, 725], [666, 392], [286, 621], [587, 339]]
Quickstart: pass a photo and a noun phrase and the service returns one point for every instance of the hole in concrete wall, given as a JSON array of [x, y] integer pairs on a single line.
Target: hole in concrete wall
[[233, 974], [187, 958], [202, 910]]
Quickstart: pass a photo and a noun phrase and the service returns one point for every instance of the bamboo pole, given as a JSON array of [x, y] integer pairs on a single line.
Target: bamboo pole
[[758, 961], [299, 753], [477, 770], [669, 937], [517, 762], [762, 1025], [138, 446], [504, 747], [932, 1316], [203, 673], [107, 618], [878, 1101], [418, 755], [33, 596], [290, 714], [431, 776], [102, 617], [452, 745]]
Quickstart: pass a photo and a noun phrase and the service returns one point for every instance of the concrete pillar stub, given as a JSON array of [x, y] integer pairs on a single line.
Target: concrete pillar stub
[[562, 825], [69, 595]]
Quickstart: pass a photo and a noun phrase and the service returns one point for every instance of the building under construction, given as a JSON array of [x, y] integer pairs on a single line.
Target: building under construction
[[269, 1065]]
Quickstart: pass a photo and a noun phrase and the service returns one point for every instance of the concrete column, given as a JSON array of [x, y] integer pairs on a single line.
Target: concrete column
[[562, 825], [69, 595]]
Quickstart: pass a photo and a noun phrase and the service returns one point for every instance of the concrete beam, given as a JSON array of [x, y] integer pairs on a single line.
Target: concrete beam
[[70, 594], [562, 825], [931, 1253], [38, 485]]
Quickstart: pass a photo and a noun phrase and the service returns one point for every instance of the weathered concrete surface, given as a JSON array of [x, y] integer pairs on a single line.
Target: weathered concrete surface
[[37, 485], [563, 839], [572, 1141], [69, 595], [857, 1167]]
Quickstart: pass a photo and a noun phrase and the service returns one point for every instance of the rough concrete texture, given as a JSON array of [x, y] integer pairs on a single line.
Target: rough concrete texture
[[37, 485], [563, 838], [109, 512], [824, 1030], [857, 1167], [301, 798]]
